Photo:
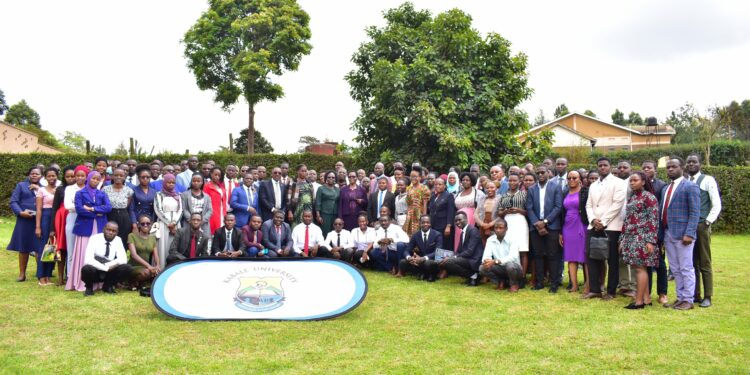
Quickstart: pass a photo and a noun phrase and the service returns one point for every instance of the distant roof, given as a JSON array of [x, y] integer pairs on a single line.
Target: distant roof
[[576, 132], [637, 129]]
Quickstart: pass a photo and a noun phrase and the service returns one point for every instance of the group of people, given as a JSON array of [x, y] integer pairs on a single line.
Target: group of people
[[120, 224]]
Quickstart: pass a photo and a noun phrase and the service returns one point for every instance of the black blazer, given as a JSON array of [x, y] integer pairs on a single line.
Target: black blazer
[[471, 248], [583, 196], [389, 200], [269, 237], [268, 200], [442, 210], [417, 246], [180, 248], [220, 240]]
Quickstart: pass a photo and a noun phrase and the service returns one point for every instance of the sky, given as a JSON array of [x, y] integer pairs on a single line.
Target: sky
[[111, 70]]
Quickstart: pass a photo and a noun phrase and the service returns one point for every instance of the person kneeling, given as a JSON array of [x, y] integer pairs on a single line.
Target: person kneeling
[[189, 242], [500, 262], [307, 238], [338, 243], [227, 242], [468, 255], [105, 260]]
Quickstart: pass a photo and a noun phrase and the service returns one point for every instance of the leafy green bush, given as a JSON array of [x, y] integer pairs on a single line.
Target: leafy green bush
[[727, 153]]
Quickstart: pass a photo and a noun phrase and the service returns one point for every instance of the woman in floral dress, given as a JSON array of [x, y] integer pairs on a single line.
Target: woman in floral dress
[[638, 238]]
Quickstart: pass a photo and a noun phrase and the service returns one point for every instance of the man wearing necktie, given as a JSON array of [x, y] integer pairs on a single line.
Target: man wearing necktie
[[390, 243], [244, 201], [276, 236], [189, 242], [381, 197], [468, 254], [307, 237], [679, 216], [338, 243], [105, 261], [227, 241]]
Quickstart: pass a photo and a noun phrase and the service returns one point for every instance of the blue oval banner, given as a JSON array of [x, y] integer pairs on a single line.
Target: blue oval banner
[[258, 289]]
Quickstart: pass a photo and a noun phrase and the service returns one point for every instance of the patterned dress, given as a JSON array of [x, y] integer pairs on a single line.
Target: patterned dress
[[639, 228], [416, 199], [304, 196]]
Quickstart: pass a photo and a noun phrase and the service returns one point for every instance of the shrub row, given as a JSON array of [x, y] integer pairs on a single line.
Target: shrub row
[[726, 153]]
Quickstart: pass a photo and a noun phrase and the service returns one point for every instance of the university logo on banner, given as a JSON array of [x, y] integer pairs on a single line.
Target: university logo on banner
[[258, 289]]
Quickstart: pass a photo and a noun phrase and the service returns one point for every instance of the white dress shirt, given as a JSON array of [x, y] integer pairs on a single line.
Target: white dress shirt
[[504, 251], [298, 237], [361, 240], [97, 246], [70, 196], [709, 185], [333, 237], [542, 195], [276, 194], [393, 232]]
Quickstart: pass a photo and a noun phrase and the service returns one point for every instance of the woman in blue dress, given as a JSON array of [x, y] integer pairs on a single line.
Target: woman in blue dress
[[45, 198], [23, 204], [143, 197]]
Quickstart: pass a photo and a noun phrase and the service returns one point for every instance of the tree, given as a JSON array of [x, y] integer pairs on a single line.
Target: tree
[[710, 128], [121, 149], [561, 110], [540, 119], [634, 118], [73, 141], [3, 103], [739, 116], [590, 113], [22, 114], [433, 89], [306, 140], [686, 122], [261, 146], [618, 117], [236, 47]]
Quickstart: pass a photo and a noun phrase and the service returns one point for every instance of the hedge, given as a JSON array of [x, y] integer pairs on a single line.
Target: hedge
[[14, 166], [726, 153], [733, 181]]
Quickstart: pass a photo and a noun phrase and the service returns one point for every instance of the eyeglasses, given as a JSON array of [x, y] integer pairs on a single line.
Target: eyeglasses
[[275, 172], [352, 176], [572, 178], [540, 172], [145, 224], [142, 177]]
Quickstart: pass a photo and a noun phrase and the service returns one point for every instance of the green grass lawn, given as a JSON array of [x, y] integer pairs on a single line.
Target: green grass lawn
[[404, 326]]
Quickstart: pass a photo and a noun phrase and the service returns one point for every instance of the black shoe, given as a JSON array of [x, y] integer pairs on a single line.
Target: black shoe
[[570, 286], [420, 276], [145, 292], [430, 278], [472, 282], [697, 300], [553, 289], [109, 289], [522, 283], [88, 292], [538, 287], [633, 306]]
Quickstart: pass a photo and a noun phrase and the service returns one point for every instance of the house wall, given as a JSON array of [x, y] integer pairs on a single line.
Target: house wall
[[17, 141]]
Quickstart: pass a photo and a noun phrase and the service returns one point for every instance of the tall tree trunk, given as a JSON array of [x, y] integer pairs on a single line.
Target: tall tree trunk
[[251, 129]]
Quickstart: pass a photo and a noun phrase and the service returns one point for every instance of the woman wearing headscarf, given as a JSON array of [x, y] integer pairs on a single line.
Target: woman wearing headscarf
[[451, 183], [80, 173], [92, 206], [61, 216], [215, 190], [194, 201], [23, 204], [168, 210]]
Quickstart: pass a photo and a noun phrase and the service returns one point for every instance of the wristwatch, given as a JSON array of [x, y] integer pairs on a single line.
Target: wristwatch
[[708, 223], [545, 221]]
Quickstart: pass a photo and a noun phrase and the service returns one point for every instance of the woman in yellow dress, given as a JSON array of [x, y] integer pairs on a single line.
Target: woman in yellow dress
[[417, 198]]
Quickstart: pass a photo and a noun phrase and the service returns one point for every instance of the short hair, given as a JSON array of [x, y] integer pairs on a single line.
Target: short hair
[[472, 178], [398, 168], [417, 169], [624, 161], [679, 160], [500, 220], [300, 167], [694, 154], [228, 214], [196, 213], [142, 167], [424, 216], [51, 169], [278, 213], [386, 216], [141, 216], [112, 222], [603, 158], [221, 172], [461, 213], [649, 162]]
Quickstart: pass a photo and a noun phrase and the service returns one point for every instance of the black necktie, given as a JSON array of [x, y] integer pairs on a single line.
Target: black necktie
[[338, 241], [106, 253], [425, 238]]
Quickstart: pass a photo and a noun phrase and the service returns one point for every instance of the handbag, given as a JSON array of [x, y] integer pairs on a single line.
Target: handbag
[[599, 247], [49, 254]]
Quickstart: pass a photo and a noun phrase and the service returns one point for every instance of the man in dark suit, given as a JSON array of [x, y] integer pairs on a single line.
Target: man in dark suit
[[679, 215], [543, 205], [244, 201], [272, 195], [379, 198], [277, 236], [227, 240], [469, 252], [649, 169], [419, 256], [442, 209], [189, 242]]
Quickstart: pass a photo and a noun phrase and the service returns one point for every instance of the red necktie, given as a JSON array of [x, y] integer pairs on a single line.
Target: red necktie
[[307, 239], [666, 204], [192, 247]]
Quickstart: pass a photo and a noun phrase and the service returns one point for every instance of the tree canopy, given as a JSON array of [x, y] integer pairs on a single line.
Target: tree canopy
[[618, 117], [262, 145], [236, 47], [3, 103], [433, 89], [561, 110], [21, 114]]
